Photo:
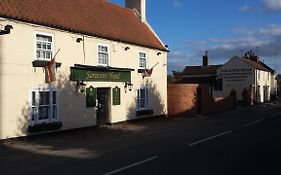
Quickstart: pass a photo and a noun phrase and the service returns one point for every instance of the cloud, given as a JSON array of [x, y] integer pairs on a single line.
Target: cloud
[[274, 30], [177, 3], [266, 41], [247, 8], [263, 6], [272, 5]]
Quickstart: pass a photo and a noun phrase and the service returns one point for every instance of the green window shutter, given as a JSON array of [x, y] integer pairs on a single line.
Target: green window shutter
[[91, 96], [116, 96]]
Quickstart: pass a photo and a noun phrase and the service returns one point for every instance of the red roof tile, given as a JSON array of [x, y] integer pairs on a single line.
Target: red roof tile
[[91, 17]]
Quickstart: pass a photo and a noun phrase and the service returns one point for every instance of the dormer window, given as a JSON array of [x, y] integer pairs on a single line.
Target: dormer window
[[44, 46], [103, 55]]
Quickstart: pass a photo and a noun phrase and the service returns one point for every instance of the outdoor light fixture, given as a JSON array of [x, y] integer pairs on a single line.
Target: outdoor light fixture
[[81, 85], [127, 48], [128, 85], [158, 53], [78, 40]]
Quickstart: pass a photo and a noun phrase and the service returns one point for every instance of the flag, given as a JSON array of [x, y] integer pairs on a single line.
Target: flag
[[148, 72], [51, 71]]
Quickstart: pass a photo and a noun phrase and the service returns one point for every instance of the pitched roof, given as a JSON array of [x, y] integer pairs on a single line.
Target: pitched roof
[[200, 70], [259, 66], [90, 17]]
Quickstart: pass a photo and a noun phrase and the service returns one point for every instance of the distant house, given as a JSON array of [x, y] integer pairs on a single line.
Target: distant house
[[238, 73], [247, 72], [101, 73], [205, 74]]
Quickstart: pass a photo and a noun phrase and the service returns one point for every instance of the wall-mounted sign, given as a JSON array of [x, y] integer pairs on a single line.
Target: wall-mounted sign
[[116, 96], [236, 74], [78, 74], [91, 96]]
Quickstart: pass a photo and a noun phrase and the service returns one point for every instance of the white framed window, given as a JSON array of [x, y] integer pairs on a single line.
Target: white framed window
[[142, 99], [44, 46], [43, 105], [267, 75], [142, 60], [103, 55]]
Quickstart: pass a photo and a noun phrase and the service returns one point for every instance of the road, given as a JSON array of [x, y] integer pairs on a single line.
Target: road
[[245, 141]]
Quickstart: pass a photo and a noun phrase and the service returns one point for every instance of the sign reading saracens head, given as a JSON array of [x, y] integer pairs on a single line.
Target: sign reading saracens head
[[104, 76]]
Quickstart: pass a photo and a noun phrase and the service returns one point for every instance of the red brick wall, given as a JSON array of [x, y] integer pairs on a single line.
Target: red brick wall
[[182, 99]]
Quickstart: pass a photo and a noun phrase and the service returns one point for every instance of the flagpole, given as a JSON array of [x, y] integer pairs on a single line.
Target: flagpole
[[155, 65], [56, 54]]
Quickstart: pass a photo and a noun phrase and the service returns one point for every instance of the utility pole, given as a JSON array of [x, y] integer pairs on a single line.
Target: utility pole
[[275, 64]]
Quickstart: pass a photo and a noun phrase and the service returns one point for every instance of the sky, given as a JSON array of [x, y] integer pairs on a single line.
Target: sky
[[223, 27]]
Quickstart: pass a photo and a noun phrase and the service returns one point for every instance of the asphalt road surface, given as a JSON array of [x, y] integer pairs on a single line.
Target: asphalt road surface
[[244, 141]]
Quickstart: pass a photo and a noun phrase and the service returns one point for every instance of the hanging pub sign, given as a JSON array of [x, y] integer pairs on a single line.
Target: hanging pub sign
[[116, 96], [91, 96], [84, 74]]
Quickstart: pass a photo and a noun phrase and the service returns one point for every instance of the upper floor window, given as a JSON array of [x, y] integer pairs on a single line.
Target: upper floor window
[[103, 55], [43, 105], [142, 60], [44, 46], [267, 75]]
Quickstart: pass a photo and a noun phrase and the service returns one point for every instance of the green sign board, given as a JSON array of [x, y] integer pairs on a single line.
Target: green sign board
[[91, 96], [116, 96], [77, 74]]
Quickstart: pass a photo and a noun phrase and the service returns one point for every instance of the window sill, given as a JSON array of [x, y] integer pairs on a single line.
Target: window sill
[[43, 63], [141, 70], [145, 112], [44, 127], [102, 65]]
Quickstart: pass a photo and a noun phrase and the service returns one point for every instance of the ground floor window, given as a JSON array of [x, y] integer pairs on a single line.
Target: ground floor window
[[142, 99], [43, 105], [218, 84]]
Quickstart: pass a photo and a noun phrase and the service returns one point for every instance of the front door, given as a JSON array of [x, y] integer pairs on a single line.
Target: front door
[[102, 112]]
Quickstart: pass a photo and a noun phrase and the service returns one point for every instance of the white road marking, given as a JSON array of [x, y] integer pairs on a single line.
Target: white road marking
[[253, 123], [132, 165], [275, 115], [209, 138]]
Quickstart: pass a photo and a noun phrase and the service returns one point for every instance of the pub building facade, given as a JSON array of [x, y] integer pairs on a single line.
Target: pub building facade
[[63, 69]]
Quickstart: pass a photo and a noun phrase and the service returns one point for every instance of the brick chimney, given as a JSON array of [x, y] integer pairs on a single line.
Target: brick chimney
[[138, 5], [205, 59]]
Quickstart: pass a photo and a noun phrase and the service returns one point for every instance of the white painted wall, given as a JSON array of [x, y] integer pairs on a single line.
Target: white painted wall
[[238, 75], [234, 77], [18, 76]]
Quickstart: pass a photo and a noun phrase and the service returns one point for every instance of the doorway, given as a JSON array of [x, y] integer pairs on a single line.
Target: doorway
[[198, 100], [103, 106]]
